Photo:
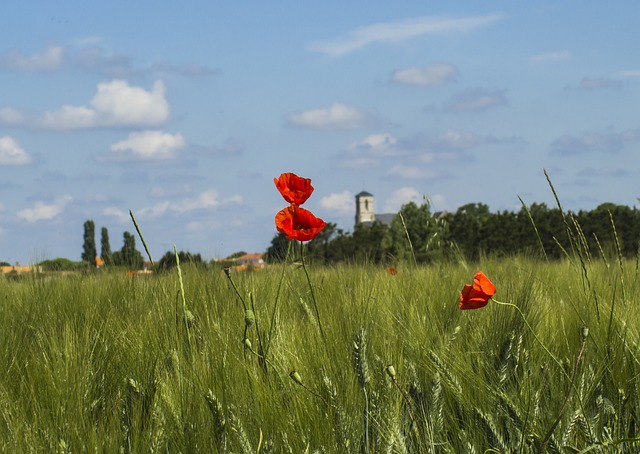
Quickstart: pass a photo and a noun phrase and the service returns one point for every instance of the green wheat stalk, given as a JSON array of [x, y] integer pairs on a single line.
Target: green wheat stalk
[[144, 243]]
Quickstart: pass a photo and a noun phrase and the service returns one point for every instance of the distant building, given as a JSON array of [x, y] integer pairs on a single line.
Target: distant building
[[365, 210], [20, 269], [248, 261]]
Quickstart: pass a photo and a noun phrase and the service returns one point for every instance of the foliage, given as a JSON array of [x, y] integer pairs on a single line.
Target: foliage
[[105, 247], [416, 234], [168, 260], [128, 256], [89, 251], [62, 264]]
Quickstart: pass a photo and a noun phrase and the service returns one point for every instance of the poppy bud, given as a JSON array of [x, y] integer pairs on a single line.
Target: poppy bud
[[249, 318], [247, 343], [295, 376], [391, 371], [584, 333]]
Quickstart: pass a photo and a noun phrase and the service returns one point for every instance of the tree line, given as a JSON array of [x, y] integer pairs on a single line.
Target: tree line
[[417, 234], [128, 256]]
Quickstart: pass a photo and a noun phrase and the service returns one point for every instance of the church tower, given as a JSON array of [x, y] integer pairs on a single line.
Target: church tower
[[364, 207]]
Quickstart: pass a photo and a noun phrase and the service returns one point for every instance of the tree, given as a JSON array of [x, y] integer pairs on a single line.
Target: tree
[[105, 247], [168, 260], [128, 256], [89, 251], [277, 252], [415, 233]]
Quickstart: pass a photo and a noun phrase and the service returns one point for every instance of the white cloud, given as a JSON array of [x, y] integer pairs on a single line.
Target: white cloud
[[117, 213], [359, 163], [561, 55], [378, 144], [11, 153], [475, 99], [115, 104], [336, 116], [401, 197], [596, 83], [45, 212], [48, 60], [148, 145], [438, 202], [452, 139], [206, 199], [341, 203], [607, 142], [428, 75], [394, 32], [11, 117], [412, 172]]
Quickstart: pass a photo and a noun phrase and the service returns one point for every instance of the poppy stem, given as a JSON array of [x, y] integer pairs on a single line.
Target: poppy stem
[[313, 295], [534, 335]]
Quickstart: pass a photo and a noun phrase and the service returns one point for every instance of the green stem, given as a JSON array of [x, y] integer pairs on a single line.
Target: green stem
[[535, 336], [313, 295]]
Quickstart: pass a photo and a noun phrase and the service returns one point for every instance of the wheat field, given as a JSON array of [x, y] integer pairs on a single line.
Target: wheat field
[[300, 358]]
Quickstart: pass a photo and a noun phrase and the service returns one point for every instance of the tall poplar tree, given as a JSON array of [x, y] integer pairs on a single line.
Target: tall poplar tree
[[89, 251], [105, 247]]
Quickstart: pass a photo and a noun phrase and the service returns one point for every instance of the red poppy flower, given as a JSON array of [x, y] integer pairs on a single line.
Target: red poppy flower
[[295, 190], [298, 223], [477, 295], [392, 271]]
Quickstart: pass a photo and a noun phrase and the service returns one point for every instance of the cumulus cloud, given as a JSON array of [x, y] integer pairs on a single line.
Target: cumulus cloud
[[205, 200], [399, 31], [11, 117], [48, 60], [115, 104], [428, 75], [475, 99], [401, 197], [336, 116], [377, 144], [591, 142], [340, 203], [368, 151], [45, 212], [148, 145], [449, 144], [11, 154]]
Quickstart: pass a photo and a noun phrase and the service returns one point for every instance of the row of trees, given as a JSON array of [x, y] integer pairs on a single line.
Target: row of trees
[[419, 235], [128, 256]]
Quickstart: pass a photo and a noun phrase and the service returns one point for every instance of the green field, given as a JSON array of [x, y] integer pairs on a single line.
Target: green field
[[352, 359]]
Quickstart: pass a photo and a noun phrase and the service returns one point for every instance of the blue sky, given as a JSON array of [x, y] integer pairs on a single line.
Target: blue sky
[[185, 112]]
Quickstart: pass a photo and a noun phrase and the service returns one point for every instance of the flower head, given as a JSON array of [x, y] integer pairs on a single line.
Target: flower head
[[298, 223], [295, 190], [477, 295]]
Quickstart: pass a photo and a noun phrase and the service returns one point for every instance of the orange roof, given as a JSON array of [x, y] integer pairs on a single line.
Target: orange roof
[[250, 257]]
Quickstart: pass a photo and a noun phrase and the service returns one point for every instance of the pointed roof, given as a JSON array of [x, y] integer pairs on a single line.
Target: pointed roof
[[364, 194]]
